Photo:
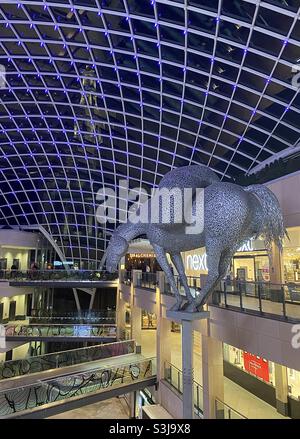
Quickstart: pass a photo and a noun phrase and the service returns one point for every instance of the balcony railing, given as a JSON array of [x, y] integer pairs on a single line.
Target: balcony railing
[[61, 331], [69, 386], [82, 317], [193, 282], [173, 376], [146, 280], [40, 363], [224, 411], [280, 301], [56, 275]]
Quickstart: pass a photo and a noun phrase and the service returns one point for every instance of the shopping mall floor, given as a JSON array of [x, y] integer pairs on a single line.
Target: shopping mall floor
[[235, 396], [114, 408]]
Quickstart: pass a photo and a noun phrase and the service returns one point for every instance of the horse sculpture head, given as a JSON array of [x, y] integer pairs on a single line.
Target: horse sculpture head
[[272, 227], [116, 248]]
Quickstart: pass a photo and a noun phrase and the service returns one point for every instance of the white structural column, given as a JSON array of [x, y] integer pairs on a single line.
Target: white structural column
[[136, 312], [187, 346], [212, 375], [163, 331], [120, 315], [276, 268], [281, 387], [136, 332]]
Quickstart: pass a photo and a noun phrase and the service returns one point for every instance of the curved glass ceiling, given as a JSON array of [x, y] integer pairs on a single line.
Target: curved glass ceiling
[[98, 91]]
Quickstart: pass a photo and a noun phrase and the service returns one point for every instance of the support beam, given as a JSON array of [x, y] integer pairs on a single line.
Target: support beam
[[187, 336], [281, 388], [163, 331], [136, 312]]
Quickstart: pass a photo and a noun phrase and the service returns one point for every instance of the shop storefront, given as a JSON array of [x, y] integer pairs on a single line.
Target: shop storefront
[[291, 256], [145, 262], [250, 263], [261, 369]]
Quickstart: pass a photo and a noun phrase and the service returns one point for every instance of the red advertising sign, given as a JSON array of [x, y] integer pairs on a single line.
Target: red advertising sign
[[257, 366]]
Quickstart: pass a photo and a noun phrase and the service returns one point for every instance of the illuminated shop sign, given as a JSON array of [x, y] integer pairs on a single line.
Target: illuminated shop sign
[[198, 261], [252, 245], [59, 263], [247, 246], [141, 255]]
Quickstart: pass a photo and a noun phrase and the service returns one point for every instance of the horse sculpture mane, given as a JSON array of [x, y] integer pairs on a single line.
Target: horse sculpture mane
[[232, 214]]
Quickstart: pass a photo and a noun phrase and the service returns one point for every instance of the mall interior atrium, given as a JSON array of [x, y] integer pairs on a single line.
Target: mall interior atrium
[[99, 101]]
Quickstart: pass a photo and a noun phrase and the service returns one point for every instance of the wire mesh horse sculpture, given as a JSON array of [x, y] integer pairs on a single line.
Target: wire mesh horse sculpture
[[232, 215]]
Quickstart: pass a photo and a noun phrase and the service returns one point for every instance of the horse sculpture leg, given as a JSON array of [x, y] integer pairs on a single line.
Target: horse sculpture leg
[[218, 267], [177, 261], [163, 262], [225, 261]]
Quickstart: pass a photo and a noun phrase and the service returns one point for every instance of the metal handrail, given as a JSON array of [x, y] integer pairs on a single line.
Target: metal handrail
[[230, 409], [178, 388], [42, 392], [73, 350], [40, 363], [61, 274]]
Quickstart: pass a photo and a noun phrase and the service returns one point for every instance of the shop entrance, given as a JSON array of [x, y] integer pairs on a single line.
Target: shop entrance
[[251, 268], [145, 262]]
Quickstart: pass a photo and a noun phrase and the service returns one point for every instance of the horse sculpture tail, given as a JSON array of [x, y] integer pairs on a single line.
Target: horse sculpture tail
[[273, 228]]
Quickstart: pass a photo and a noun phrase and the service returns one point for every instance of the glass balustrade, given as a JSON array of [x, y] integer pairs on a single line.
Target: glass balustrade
[[224, 411], [173, 376], [57, 275], [146, 280], [79, 384], [82, 317], [63, 330], [40, 363], [278, 301]]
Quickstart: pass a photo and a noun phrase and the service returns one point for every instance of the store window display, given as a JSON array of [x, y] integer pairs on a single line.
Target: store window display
[[251, 262], [261, 368], [250, 363], [149, 320], [291, 256]]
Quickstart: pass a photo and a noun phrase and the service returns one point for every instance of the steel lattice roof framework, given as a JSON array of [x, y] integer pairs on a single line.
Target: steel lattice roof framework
[[97, 91]]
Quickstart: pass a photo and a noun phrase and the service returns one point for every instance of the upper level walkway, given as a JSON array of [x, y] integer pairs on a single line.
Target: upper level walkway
[[59, 278], [275, 301], [62, 332]]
